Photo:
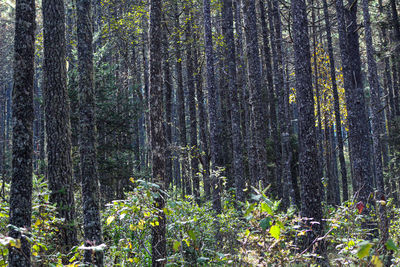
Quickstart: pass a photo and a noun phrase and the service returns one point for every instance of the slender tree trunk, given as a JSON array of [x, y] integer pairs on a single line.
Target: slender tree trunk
[[59, 172], [342, 161], [270, 98], [194, 161], [311, 197], [158, 244], [242, 87], [377, 122], [212, 106], [90, 191], [181, 105], [238, 170], [203, 123], [22, 138], [258, 127], [167, 81]]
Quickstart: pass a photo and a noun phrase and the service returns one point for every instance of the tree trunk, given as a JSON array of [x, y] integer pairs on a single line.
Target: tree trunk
[[258, 127], [359, 136], [212, 106], [342, 161], [377, 121], [194, 160], [22, 138], [90, 190], [181, 105], [230, 61], [158, 244], [310, 182], [59, 172]]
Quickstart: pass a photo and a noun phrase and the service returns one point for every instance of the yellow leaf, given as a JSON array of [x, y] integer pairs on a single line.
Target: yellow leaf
[[110, 219], [18, 243], [376, 261], [38, 222]]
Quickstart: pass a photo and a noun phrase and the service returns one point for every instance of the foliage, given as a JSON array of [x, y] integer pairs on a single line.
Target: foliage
[[41, 234], [247, 234], [321, 70]]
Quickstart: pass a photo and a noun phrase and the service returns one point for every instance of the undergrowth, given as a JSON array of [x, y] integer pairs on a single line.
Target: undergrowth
[[254, 233]]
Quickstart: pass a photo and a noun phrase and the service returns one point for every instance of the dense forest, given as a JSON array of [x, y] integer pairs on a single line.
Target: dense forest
[[199, 133]]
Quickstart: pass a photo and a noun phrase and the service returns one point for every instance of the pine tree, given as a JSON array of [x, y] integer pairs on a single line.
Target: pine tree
[[59, 171], [22, 138], [87, 135], [159, 250]]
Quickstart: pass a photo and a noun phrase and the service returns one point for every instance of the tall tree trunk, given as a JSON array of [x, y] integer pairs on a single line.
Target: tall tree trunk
[[342, 161], [270, 98], [319, 135], [203, 123], [258, 127], [158, 244], [310, 182], [181, 103], [242, 87], [167, 81], [212, 106], [2, 140], [90, 191], [22, 138], [359, 136], [194, 161], [283, 109], [377, 121], [59, 170], [238, 170]]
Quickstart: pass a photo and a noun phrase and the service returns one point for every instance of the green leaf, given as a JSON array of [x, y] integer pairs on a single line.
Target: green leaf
[[275, 231], [265, 223], [176, 245], [202, 259], [363, 249], [266, 208], [390, 245], [192, 235]]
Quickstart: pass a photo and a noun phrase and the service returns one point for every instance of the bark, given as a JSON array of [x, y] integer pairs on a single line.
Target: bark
[[167, 81], [181, 105], [310, 184], [22, 137], [359, 136], [258, 126], [2, 141], [377, 121], [238, 170], [159, 250], [192, 103], [212, 106], [204, 130], [284, 121], [59, 170], [270, 98], [90, 191], [342, 161], [319, 135], [242, 87], [396, 55]]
